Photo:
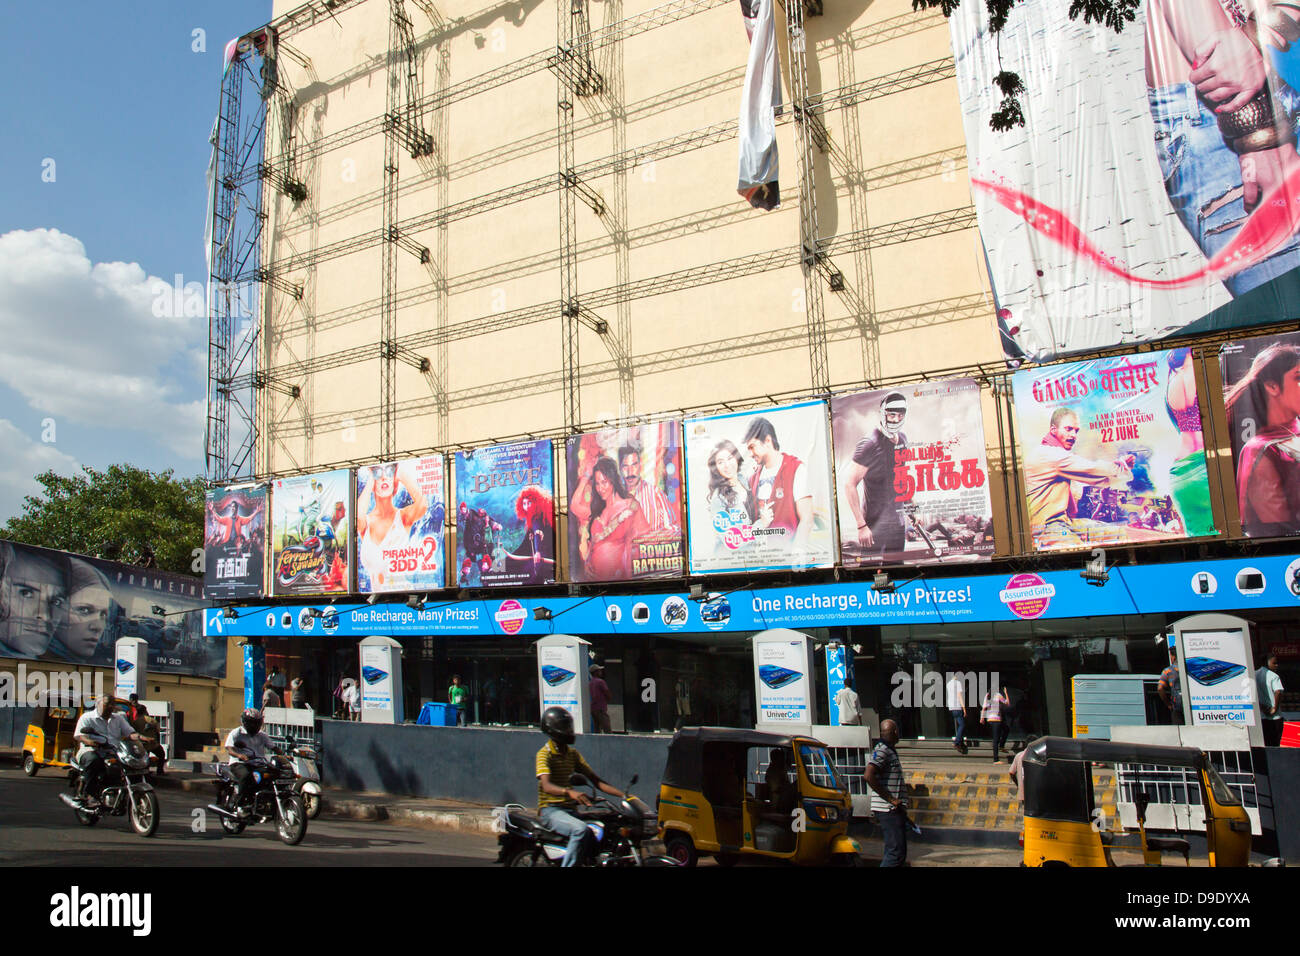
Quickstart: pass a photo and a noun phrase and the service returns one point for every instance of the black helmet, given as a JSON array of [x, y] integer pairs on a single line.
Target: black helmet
[[557, 723], [252, 720]]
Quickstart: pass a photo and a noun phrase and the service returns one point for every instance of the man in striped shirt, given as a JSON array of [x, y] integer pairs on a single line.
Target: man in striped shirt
[[556, 763], [885, 778], [654, 506]]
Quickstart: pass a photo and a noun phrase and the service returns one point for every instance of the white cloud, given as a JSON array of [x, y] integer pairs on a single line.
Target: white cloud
[[91, 342], [21, 459]]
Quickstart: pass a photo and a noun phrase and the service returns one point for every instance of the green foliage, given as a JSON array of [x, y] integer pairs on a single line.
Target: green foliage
[[123, 514], [1112, 13]]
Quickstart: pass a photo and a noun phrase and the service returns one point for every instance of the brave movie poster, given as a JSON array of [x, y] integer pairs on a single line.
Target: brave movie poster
[[505, 515], [1112, 451], [912, 475], [310, 533], [625, 503], [234, 543]]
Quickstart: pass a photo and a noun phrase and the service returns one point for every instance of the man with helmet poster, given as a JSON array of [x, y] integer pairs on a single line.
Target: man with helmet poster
[[913, 475]]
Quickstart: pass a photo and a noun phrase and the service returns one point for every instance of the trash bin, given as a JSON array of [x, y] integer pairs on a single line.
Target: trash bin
[[436, 715]]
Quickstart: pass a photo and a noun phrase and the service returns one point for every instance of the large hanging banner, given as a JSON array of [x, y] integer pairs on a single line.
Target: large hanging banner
[[1261, 389], [912, 475], [505, 516], [1155, 180], [234, 543], [58, 606], [758, 490], [310, 533], [401, 515], [625, 503], [1112, 451], [760, 103]]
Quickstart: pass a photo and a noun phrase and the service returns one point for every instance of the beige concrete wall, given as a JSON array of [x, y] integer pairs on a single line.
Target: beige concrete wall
[[726, 341]]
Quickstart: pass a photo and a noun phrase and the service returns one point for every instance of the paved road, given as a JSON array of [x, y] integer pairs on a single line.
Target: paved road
[[38, 829]]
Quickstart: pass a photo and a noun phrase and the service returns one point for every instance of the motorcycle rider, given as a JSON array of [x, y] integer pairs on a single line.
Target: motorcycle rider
[[557, 761], [246, 742], [111, 728]]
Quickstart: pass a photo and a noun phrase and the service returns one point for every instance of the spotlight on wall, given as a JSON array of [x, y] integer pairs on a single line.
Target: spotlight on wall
[[415, 602], [372, 599], [697, 592], [1095, 573], [230, 613], [541, 614], [159, 610], [880, 582]]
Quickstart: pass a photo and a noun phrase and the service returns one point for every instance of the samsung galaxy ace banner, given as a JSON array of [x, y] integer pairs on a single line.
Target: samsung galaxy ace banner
[[401, 519], [758, 490], [912, 475], [310, 533], [234, 543], [1261, 386], [625, 503], [505, 515], [68, 607], [1154, 187], [1112, 451], [1220, 686], [782, 678]]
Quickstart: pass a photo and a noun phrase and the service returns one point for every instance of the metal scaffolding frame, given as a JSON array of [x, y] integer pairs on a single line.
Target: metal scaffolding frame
[[250, 391]]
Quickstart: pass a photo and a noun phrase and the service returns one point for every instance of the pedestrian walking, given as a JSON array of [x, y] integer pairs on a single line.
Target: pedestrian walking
[[457, 694], [885, 778], [351, 697], [269, 697], [991, 714], [956, 693], [279, 683], [599, 700], [298, 693], [1170, 690], [1269, 688], [846, 699]]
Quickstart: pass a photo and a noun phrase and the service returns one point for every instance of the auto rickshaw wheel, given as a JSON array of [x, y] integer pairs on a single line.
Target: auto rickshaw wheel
[[681, 848], [30, 766]]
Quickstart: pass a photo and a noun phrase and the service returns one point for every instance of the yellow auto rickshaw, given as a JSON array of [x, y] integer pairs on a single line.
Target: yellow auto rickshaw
[[49, 741], [736, 793], [1064, 828]]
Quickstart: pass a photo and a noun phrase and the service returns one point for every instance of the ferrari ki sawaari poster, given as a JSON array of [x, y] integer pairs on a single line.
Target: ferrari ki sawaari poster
[[311, 533], [912, 475], [758, 490], [1112, 451], [505, 515], [625, 503], [401, 519]]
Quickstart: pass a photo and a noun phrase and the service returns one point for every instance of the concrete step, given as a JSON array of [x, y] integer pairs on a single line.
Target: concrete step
[[972, 799]]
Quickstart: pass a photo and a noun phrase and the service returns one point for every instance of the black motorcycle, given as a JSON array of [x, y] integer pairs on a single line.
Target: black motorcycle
[[126, 790], [617, 830], [271, 795]]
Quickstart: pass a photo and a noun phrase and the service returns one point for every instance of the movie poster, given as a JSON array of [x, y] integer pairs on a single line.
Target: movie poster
[[310, 534], [505, 515], [401, 517], [1112, 451], [234, 543], [625, 503], [1153, 184], [912, 475], [758, 490], [67, 607], [1261, 390]]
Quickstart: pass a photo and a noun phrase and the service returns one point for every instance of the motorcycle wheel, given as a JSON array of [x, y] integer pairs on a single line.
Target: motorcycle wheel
[[30, 766], [85, 818], [233, 827], [311, 804], [291, 821], [144, 813], [526, 856]]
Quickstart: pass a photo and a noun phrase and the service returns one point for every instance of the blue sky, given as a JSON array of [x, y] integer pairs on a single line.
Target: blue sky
[[106, 114]]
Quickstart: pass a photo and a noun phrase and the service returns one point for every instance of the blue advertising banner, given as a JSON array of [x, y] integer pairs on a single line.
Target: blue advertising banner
[[1188, 587]]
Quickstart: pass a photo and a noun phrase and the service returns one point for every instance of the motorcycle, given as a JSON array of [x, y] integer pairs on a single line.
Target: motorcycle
[[271, 795], [126, 790], [306, 769], [617, 828]]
